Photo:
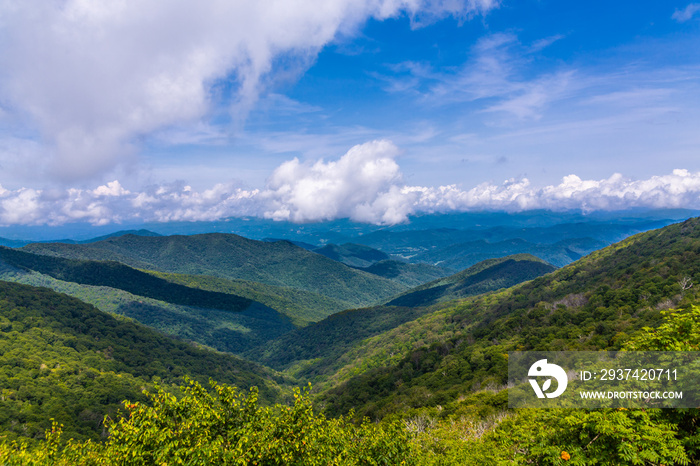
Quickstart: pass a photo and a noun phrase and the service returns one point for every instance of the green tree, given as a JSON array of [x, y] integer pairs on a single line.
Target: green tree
[[224, 427]]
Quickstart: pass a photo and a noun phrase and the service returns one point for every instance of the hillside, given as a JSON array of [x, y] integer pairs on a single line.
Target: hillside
[[119, 276], [223, 321], [234, 257], [19, 243], [318, 350], [302, 307], [488, 275], [435, 374], [381, 264], [61, 358], [592, 304], [407, 274], [355, 255]]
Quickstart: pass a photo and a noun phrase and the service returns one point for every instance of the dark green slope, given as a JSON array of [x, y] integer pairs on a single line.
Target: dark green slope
[[116, 275], [302, 307], [301, 244], [221, 320], [61, 358], [488, 275], [381, 264], [319, 346], [594, 303], [232, 256], [355, 255], [325, 343], [407, 274], [222, 331]]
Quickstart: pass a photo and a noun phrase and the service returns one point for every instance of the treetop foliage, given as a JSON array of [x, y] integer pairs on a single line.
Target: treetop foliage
[[224, 426]]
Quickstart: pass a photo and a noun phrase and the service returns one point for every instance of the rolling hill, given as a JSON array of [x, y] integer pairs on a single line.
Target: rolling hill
[[317, 350], [302, 307], [592, 304], [406, 274], [381, 264], [116, 234], [355, 255], [234, 257], [63, 359], [221, 320], [116, 275], [488, 275], [12, 243]]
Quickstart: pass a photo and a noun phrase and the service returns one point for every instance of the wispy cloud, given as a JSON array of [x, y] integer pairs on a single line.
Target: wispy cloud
[[545, 42], [93, 77], [365, 184], [494, 78], [687, 13]]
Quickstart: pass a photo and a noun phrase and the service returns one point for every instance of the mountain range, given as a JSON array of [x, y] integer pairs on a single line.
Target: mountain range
[[376, 335]]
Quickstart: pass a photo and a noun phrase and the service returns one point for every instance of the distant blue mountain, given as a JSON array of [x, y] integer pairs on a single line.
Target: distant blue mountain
[[11, 243], [301, 244], [19, 243], [346, 231], [116, 234]]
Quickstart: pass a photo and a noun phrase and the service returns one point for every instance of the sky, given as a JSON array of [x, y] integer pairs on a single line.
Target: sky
[[115, 111]]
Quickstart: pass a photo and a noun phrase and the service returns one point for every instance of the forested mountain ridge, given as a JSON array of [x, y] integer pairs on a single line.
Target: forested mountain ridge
[[436, 381], [219, 319], [302, 307], [405, 273], [116, 275], [231, 256], [594, 303], [63, 359], [485, 276], [356, 255], [319, 350]]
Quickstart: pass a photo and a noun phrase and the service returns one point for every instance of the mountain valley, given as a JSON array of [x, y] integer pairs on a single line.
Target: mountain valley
[[376, 336]]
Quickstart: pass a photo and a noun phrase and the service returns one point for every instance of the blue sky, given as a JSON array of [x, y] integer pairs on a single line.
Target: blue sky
[[372, 110]]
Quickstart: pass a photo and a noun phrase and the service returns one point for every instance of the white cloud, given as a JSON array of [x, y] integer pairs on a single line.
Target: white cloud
[[358, 186], [365, 185], [687, 13], [113, 188], [94, 76]]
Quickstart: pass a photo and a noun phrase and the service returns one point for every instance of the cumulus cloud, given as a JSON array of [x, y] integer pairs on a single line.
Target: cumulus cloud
[[365, 185], [680, 189], [361, 185], [111, 203], [93, 76]]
